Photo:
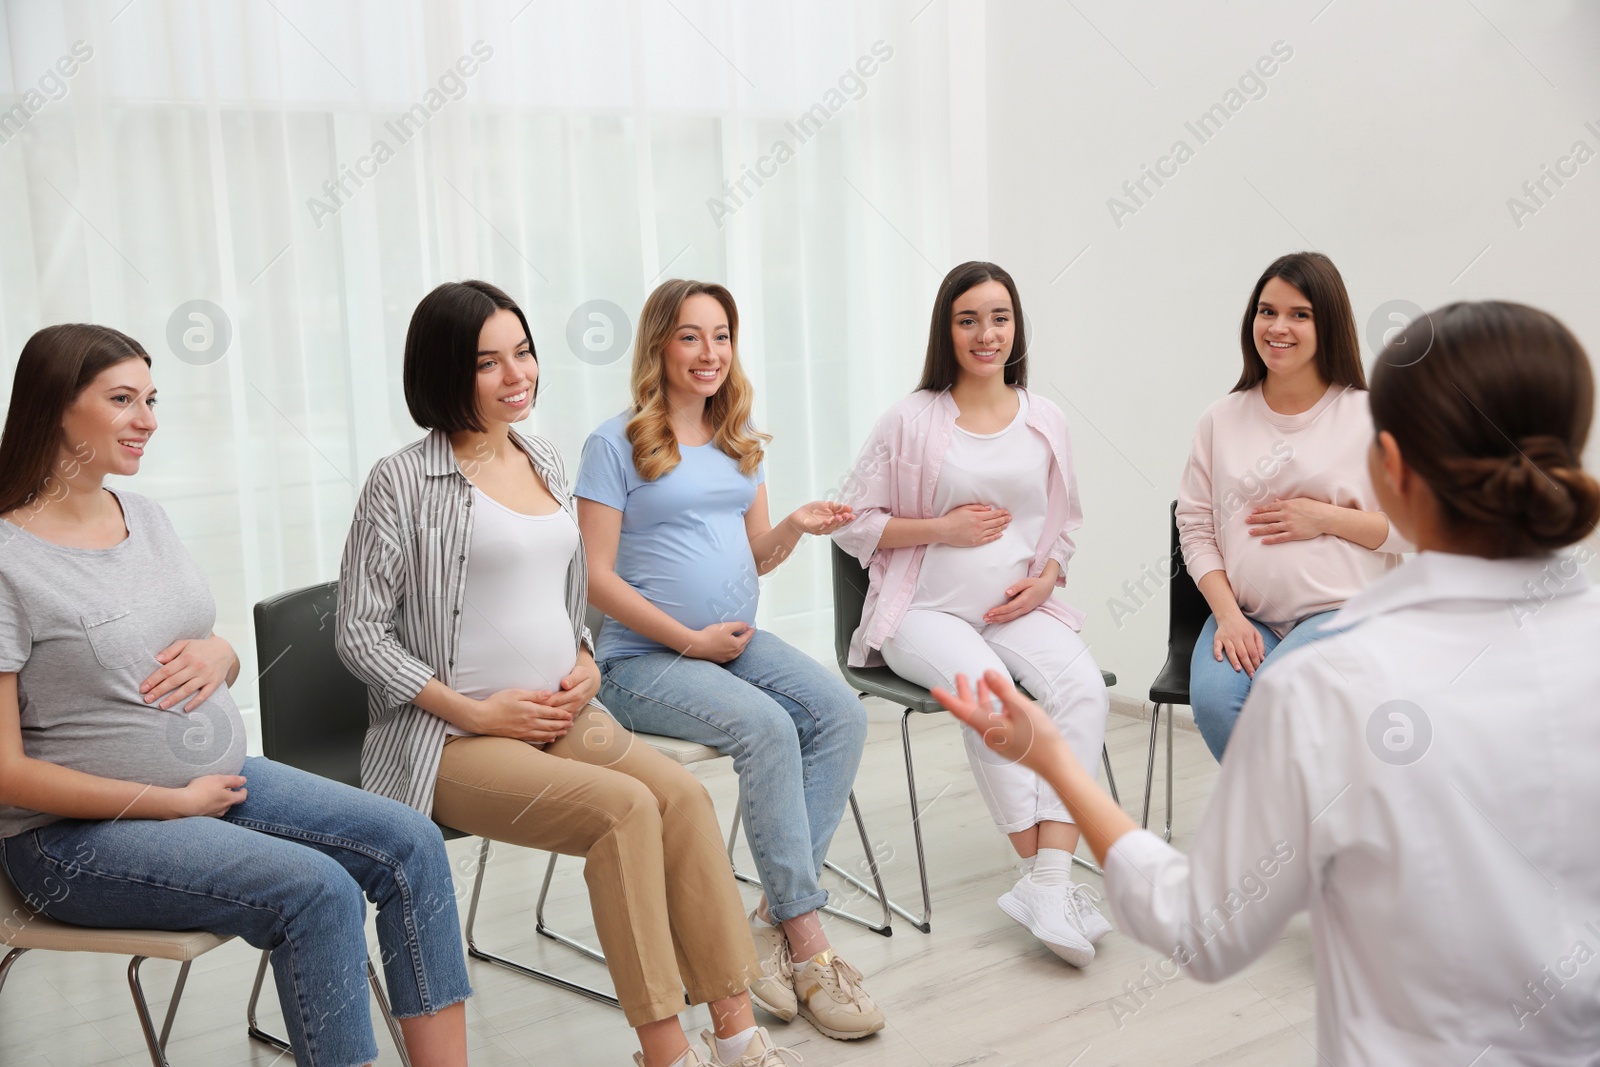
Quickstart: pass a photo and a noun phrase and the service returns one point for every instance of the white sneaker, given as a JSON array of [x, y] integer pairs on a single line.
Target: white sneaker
[[1051, 914], [761, 1052], [1094, 925]]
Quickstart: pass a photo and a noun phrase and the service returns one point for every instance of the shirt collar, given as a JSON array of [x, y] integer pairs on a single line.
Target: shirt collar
[[1440, 577], [438, 458]]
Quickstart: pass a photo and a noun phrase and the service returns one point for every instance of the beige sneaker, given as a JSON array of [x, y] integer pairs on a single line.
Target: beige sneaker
[[774, 989], [688, 1059], [830, 996], [761, 1052]]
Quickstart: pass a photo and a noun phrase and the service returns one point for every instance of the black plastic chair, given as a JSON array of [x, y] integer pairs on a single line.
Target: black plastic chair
[[1187, 612], [314, 717], [849, 597]]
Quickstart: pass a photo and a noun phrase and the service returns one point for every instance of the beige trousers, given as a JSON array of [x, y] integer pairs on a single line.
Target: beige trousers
[[661, 888]]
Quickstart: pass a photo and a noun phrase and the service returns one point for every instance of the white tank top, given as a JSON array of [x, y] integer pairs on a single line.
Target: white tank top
[[515, 630], [1009, 469]]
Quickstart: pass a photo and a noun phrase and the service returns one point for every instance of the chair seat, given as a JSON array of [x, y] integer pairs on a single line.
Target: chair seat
[[42, 932], [882, 682], [679, 750], [1172, 684]]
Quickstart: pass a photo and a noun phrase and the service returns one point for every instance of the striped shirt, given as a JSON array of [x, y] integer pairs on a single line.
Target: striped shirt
[[402, 586]]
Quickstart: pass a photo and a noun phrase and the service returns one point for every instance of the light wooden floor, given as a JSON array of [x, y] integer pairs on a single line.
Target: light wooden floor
[[978, 989]]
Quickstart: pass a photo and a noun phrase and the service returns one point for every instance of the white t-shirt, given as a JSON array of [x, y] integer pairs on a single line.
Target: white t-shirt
[[515, 631], [1011, 470]]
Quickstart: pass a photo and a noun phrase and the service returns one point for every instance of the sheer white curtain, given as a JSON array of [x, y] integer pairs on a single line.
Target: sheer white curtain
[[311, 169]]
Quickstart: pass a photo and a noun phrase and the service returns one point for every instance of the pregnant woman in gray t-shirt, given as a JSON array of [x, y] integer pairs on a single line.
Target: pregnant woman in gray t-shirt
[[126, 797]]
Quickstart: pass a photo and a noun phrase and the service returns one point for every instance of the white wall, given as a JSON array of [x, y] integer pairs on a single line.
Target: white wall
[[1391, 140]]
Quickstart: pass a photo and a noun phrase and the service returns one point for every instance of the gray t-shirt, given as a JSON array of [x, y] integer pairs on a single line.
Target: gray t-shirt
[[81, 627]]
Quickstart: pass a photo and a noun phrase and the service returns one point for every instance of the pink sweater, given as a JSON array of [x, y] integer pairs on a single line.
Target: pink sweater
[[1245, 455], [894, 478]]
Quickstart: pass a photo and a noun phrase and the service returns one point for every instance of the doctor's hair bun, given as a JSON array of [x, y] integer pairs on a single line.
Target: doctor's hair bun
[[1494, 417]]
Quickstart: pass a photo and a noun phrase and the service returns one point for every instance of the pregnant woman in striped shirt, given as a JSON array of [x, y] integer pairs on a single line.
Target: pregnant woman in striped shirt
[[461, 599]]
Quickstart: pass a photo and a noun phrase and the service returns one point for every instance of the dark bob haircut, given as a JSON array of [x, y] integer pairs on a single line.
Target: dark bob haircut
[[1338, 350], [441, 364], [940, 369]]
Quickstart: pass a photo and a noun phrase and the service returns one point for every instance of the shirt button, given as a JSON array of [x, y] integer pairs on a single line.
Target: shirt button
[[456, 612], [461, 559], [451, 663]]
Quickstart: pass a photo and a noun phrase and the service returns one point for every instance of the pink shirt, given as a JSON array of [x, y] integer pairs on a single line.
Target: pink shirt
[[895, 478], [1246, 455]]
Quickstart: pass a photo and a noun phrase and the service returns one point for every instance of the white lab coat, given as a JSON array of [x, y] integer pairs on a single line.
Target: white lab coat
[[1454, 900]]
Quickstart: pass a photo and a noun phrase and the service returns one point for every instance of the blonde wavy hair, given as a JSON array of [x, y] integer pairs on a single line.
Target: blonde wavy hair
[[655, 445]]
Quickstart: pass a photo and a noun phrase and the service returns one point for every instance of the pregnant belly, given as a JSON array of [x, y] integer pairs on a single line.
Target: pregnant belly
[[966, 582], [532, 652], [168, 749]]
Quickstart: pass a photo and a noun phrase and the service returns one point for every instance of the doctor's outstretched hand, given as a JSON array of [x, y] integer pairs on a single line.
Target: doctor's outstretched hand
[[1009, 723], [1018, 729]]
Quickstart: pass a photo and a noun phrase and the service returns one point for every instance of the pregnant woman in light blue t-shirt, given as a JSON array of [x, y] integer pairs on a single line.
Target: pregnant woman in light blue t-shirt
[[673, 508]]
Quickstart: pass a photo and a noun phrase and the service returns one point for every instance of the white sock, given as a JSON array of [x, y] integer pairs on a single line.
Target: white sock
[[1027, 864], [1052, 867], [683, 1059], [731, 1048]]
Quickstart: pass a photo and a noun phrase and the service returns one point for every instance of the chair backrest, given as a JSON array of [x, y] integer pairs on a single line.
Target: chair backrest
[[849, 597], [1187, 608], [313, 710]]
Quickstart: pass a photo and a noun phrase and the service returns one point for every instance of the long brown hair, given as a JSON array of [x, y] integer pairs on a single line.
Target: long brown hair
[[1494, 418], [655, 446], [940, 368], [1338, 350], [56, 364]]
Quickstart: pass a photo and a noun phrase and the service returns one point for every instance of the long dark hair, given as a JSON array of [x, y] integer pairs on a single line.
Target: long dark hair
[[1494, 417], [940, 369], [1338, 350], [56, 364], [441, 362]]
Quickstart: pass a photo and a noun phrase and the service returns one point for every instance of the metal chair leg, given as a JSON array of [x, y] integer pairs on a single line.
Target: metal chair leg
[[875, 891], [1150, 769], [5, 965], [877, 894], [395, 1033], [555, 935], [1168, 833], [252, 1028], [156, 1043], [1111, 780], [925, 923], [532, 972]]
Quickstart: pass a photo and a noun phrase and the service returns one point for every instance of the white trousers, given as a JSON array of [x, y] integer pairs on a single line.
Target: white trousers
[[1048, 659]]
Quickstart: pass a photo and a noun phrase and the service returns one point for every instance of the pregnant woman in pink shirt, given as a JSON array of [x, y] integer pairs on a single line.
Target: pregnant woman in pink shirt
[[1276, 513], [965, 502]]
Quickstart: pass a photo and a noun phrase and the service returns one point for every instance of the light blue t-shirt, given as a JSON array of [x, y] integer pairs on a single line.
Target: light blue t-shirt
[[683, 543]]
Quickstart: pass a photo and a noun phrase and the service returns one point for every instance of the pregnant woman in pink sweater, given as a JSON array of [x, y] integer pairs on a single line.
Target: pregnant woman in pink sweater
[[1276, 513]]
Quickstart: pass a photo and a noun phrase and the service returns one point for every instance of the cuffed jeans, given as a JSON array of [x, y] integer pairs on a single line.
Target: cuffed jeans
[[795, 733], [285, 870], [1217, 691]]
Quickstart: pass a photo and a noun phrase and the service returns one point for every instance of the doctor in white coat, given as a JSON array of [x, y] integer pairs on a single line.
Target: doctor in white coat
[[1426, 782]]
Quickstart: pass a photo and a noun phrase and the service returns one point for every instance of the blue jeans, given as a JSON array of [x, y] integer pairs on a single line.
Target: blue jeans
[[1217, 692], [795, 733], [284, 870]]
